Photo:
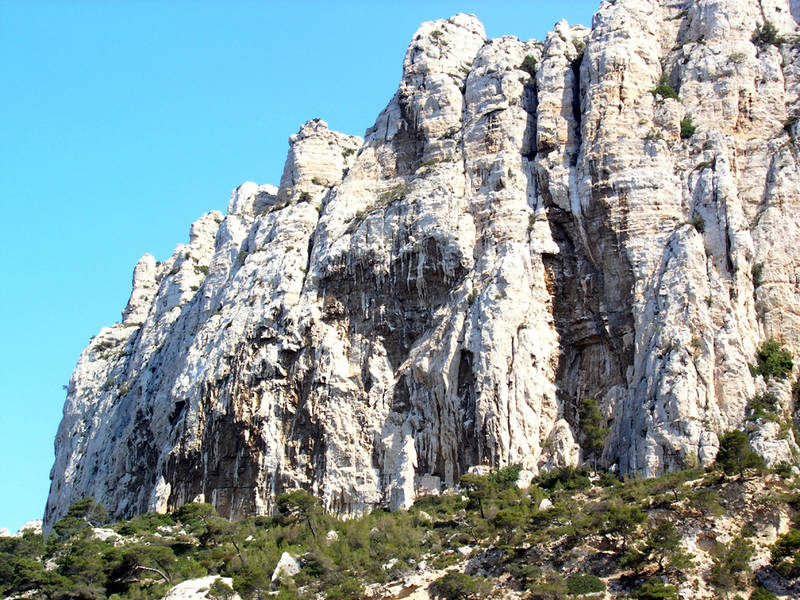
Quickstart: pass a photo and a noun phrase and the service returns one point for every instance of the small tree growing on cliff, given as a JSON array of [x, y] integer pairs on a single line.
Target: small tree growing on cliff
[[593, 429], [773, 360], [94, 512]]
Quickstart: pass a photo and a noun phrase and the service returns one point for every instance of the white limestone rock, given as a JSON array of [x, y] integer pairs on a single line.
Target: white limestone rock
[[34, 527], [440, 296], [197, 589], [287, 566]]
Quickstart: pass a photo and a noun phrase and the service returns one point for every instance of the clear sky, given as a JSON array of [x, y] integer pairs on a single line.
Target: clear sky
[[121, 122]]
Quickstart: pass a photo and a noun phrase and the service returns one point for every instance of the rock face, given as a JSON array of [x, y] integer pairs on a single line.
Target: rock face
[[198, 589], [444, 293]]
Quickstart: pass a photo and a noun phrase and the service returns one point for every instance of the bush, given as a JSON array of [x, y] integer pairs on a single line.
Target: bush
[[784, 469], [220, 590], [763, 406], [786, 554], [620, 518], [195, 514], [348, 589], [687, 128], [506, 476], [87, 508], [773, 360], [735, 455], [653, 589], [551, 586], [665, 90], [529, 66], [732, 564], [706, 503], [458, 586], [585, 584], [566, 478], [762, 593], [146, 523], [767, 34], [593, 429]]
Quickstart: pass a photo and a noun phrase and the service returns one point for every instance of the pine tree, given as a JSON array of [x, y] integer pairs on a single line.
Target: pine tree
[[593, 429]]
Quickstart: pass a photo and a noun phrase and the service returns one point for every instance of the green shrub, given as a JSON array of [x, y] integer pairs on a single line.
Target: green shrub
[[767, 34], [349, 589], [762, 406], [529, 66], [653, 589], [593, 429], [665, 90], [146, 523], [585, 584], [479, 490], [566, 478], [735, 455], [551, 586], [620, 518], [687, 128], [731, 568], [756, 271], [219, 590], [762, 593], [523, 571], [786, 554], [663, 542], [784, 469], [706, 502], [506, 476], [459, 586], [94, 512], [773, 360]]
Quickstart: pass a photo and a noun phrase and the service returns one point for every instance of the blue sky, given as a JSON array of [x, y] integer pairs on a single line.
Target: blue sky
[[124, 121]]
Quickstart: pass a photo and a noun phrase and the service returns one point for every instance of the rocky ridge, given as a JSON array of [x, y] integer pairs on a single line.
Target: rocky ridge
[[445, 292]]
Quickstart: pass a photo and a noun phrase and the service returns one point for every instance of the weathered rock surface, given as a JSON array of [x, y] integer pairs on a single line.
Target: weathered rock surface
[[34, 527], [197, 589], [287, 566], [444, 293]]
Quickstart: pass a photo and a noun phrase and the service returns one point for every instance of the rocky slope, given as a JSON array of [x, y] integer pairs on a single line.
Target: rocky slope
[[445, 292], [695, 534]]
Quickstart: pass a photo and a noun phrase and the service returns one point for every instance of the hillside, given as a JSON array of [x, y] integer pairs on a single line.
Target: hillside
[[700, 533]]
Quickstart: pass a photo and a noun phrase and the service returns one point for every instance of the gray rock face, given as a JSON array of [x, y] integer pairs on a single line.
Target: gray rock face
[[444, 293]]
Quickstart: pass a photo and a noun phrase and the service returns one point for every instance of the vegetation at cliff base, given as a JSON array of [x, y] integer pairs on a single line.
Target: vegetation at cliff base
[[566, 535]]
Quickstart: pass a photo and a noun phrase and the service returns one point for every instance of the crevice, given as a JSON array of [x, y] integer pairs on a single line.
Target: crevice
[[577, 115]]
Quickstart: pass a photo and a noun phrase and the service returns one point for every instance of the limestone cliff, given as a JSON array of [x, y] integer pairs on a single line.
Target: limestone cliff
[[446, 291]]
